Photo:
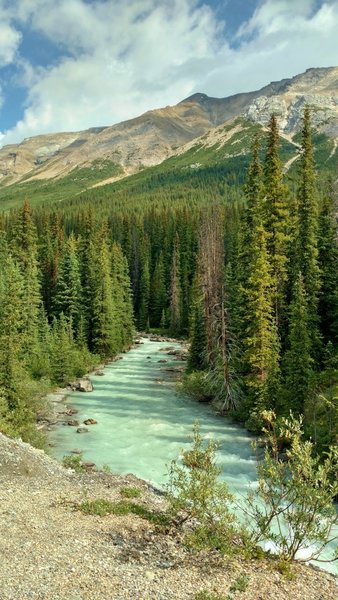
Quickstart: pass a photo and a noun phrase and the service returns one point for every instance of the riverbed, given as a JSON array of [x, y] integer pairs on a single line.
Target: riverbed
[[143, 423]]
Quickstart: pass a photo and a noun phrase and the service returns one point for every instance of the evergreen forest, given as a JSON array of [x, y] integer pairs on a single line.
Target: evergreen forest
[[242, 264]]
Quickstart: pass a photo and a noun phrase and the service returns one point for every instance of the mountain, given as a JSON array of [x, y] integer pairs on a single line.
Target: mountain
[[101, 155]]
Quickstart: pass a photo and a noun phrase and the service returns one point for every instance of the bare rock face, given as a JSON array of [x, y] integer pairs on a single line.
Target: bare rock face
[[316, 88]]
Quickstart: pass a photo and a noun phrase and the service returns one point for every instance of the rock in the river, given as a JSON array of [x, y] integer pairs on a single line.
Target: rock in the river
[[90, 422], [73, 423], [76, 451], [99, 373], [82, 430], [163, 360], [88, 464], [84, 385]]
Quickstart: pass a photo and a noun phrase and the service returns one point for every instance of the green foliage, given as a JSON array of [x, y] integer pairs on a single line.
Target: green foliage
[[195, 493], [74, 461], [130, 492], [100, 507], [205, 595], [103, 507], [240, 584], [196, 386], [292, 506]]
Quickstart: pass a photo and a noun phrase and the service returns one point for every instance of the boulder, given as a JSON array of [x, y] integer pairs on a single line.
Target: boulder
[[88, 464], [73, 423], [82, 430], [76, 451], [84, 385], [99, 373], [90, 422]]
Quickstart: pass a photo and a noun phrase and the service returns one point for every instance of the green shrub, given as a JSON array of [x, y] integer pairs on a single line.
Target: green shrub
[[292, 506], [103, 507], [195, 494], [74, 462], [240, 584], [196, 386], [130, 492], [205, 595]]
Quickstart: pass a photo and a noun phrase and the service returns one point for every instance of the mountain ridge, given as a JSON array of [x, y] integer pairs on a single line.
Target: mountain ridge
[[113, 152]]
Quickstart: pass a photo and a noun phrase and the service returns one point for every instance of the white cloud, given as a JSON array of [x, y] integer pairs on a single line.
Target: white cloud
[[122, 57], [9, 41]]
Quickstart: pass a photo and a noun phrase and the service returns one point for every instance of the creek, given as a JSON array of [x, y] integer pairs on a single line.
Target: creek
[[142, 422]]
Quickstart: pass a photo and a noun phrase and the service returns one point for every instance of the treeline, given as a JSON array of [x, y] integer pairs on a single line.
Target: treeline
[[264, 330], [248, 274], [65, 303]]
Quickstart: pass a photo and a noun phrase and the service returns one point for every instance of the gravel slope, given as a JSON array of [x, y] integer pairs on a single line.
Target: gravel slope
[[49, 551]]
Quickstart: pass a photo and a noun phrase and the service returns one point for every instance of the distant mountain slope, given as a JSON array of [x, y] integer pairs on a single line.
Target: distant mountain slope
[[61, 165]]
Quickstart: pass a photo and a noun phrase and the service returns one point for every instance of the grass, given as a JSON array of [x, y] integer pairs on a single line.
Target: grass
[[130, 492], [74, 462], [102, 507], [240, 584]]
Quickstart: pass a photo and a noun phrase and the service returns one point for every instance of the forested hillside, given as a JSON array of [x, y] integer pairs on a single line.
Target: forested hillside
[[238, 255]]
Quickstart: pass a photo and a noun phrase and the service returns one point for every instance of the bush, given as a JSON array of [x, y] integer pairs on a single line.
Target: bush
[[196, 495], [130, 492], [196, 386], [292, 506]]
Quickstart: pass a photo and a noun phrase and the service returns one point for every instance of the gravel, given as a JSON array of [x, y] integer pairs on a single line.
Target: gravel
[[50, 551]]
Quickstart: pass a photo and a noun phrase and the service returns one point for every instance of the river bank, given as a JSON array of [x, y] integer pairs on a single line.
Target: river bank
[[52, 552]]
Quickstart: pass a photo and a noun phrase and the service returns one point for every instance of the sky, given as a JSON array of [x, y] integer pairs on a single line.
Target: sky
[[67, 65]]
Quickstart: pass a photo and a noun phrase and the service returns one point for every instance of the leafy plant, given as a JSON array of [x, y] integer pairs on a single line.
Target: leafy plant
[[130, 492], [240, 584], [74, 462], [103, 507], [205, 595], [196, 496], [292, 507]]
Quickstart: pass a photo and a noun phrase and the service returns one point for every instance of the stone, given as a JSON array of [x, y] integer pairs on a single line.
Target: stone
[[88, 464], [90, 422], [73, 423], [82, 430], [162, 360], [76, 451], [84, 385], [99, 373]]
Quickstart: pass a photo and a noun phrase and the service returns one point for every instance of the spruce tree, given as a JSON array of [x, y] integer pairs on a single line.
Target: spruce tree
[[175, 308], [297, 362], [262, 342], [307, 247], [68, 294], [276, 220]]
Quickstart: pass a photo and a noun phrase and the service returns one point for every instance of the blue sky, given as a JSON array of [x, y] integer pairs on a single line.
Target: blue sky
[[72, 64]]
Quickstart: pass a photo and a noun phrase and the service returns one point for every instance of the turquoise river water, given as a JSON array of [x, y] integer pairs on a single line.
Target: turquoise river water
[[142, 423]]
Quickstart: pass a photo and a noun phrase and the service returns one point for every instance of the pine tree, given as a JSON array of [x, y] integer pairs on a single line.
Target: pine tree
[[122, 297], [25, 252], [105, 331], [11, 330], [144, 293], [175, 308], [262, 343], [328, 261], [276, 220], [158, 293], [307, 247], [68, 294], [197, 358], [297, 359]]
